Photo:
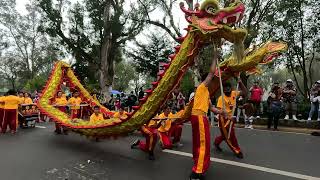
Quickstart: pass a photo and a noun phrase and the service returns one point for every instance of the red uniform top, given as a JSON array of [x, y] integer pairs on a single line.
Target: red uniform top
[[256, 94]]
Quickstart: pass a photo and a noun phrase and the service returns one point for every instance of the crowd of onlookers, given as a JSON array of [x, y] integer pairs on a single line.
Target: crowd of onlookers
[[122, 100], [176, 101]]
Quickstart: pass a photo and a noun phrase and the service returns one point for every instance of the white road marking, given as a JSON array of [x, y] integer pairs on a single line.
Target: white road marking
[[41, 127], [286, 132], [263, 130], [249, 166]]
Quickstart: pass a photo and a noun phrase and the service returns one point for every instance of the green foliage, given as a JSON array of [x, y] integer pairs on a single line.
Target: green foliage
[[147, 56], [204, 60], [124, 74], [297, 23], [26, 52], [37, 83], [95, 33], [187, 83]]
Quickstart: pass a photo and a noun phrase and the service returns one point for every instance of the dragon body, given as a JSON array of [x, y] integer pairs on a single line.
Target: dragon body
[[208, 24]]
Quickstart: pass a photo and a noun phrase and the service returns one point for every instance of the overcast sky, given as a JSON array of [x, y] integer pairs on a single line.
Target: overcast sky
[[178, 14]]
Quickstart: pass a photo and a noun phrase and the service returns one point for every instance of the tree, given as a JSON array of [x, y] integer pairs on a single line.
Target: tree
[[9, 70], [26, 52], [187, 84], [167, 22], [28, 44], [147, 56], [123, 75], [298, 26], [95, 32]]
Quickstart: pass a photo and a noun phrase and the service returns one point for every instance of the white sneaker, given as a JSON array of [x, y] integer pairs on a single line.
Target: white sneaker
[[294, 118], [258, 117], [287, 117], [250, 127], [309, 119], [318, 120], [178, 144]]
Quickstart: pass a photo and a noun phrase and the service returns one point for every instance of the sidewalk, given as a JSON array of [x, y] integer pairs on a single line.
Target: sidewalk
[[282, 129], [299, 126], [291, 123]]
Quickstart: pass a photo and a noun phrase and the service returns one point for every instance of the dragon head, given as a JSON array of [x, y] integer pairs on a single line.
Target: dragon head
[[215, 22]]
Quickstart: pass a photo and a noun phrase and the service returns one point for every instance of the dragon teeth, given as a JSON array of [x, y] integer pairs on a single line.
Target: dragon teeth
[[225, 20], [237, 16]]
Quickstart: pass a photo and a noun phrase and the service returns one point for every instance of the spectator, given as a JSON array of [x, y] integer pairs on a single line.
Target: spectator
[[240, 109], [314, 92], [174, 100], [289, 99], [274, 105], [36, 97], [317, 100], [123, 99], [117, 102], [181, 101], [192, 94], [256, 96], [132, 99], [111, 103], [141, 93]]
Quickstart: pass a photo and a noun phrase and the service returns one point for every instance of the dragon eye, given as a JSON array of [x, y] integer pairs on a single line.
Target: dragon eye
[[211, 9]]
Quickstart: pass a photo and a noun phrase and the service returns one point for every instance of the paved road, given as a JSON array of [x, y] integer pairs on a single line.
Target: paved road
[[37, 153]]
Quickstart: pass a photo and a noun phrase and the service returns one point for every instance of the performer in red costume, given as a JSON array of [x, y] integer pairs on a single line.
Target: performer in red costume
[[149, 131], [75, 102], [60, 103], [10, 116], [200, 124], [229, 99], [164, 129]]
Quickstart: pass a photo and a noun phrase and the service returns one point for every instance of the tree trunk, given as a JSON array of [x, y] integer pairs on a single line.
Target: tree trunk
[[12, 80], [107, 68], [305, 84], [106, 60]]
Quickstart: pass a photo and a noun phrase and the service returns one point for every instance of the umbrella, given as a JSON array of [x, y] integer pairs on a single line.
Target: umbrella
[[115, 92], [4, 90]]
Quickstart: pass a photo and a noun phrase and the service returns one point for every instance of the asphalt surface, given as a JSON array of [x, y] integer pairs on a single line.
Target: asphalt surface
[[38, 154]]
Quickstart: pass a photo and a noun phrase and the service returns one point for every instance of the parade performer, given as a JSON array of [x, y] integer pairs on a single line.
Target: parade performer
[[27, 99], [11, 103], [21, 96], [229, 100], [75, 102], [60, 102], [164, 130], [1, 111], [121, 114], [200, 124], [96, 116], [176, 128], [149, 131]]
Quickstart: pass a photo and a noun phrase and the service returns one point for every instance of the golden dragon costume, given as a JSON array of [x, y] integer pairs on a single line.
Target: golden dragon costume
[[207, 25]]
